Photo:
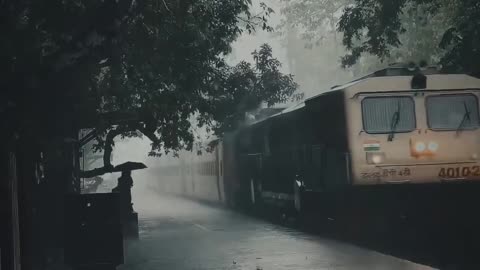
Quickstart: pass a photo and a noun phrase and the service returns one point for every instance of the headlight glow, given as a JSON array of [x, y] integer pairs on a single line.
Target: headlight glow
[[377, 159], [420, 147], [433, 146]]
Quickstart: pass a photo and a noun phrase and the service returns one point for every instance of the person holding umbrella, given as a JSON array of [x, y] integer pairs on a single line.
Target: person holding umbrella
[[124, 186]]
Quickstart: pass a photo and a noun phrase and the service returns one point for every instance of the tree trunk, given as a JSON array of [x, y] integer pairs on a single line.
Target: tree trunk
[[109, 143]]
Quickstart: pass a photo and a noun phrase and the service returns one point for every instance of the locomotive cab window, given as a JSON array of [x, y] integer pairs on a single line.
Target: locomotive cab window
[[389, 114], [452, 112]]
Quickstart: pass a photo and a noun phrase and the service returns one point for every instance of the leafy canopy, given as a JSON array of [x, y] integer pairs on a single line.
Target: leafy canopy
[[374, 27], [394, 30], [130, 67]]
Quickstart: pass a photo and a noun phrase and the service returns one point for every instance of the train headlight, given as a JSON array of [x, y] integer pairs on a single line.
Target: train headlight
[[375, 158], [420, 147], [432, 146]]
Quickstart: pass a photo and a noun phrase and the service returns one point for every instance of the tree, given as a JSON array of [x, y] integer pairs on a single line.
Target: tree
[[148, 65], [316, 19], [245, 87], [420, 24], [312, 43], [375, 27]]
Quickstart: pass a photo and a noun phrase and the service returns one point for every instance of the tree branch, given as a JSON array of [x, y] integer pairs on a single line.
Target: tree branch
[[109, 143], [95, 172], [150, 134], [166, 6], [107, 153]]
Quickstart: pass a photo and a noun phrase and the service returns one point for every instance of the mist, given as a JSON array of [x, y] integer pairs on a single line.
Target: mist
[[315, 64], [315, 68]]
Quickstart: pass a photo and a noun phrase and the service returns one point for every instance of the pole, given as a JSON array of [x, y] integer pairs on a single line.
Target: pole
[[13, 186]]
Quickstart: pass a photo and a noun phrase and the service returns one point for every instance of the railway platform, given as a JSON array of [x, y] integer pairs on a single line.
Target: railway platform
[[181, 234]]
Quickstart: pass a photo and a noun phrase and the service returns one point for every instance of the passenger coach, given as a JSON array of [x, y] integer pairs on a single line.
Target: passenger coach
[[396, 129]]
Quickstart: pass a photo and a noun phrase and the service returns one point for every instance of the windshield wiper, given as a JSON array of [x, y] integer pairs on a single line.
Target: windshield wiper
[[466, 116], [394, 123]]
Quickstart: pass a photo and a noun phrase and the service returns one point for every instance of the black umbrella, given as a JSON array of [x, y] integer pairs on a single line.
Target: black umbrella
[[129, 166]]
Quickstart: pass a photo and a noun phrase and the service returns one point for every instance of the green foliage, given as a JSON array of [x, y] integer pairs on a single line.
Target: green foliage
[[391, 31], [449, 30], [313, 46], [245, 87], [462, 40], [419, 39], [316, 19], [158, 63]]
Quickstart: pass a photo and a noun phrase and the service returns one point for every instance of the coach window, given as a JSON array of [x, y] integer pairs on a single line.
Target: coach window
[[388, 114], [452, 112]]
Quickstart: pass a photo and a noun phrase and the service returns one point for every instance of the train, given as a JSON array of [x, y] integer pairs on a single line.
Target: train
[[400, 137]]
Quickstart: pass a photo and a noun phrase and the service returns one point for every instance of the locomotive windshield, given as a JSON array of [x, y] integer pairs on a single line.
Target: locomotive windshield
[[452, 112], [388, 114]]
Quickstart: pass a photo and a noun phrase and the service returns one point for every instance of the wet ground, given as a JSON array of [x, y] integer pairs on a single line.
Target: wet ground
[[182, 234]]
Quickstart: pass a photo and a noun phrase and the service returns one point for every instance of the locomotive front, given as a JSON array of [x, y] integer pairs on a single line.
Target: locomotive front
[[414, 129]]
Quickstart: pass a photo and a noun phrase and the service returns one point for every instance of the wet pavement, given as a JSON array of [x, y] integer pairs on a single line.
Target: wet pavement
[[182, 234]]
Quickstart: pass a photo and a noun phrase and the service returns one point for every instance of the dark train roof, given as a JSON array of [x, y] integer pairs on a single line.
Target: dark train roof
[[396, 69], [393, 70], [283, 111], [400, 69]]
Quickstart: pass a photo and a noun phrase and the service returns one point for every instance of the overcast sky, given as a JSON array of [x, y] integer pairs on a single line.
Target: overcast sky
[[247, 43]]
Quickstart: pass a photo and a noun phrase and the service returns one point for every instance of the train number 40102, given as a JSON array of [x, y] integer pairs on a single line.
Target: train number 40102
[[459, 172]]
